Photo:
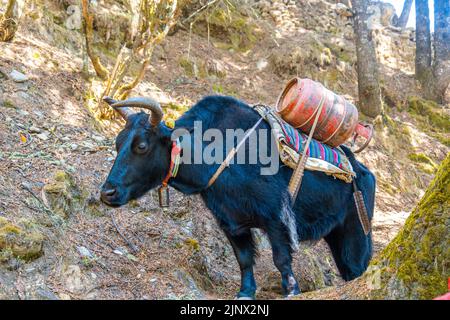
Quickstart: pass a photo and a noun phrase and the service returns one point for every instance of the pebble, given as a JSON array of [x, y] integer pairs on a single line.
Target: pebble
[[43, 136], [98, 139], [22, 87], [64, 296], [38, 113], [118, 252], [44, 294], [23, 112], [34, 129], [23, 95], [18, 76], [84, 252], [262, 64]]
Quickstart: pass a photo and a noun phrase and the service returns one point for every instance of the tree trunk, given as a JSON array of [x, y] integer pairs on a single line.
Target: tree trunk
[[423, 47], [368, 81], [8, 23], [441, 66], [404, 17], [416, 264]]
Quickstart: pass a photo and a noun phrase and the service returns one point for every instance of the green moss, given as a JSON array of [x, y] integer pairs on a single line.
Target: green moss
[[21, 240], [188, 66], [429, 115], [228, 27], [173, 111], [63, 195], [8, 104], [192, 243], [444, 140], [421, 158], [394, 135], [424, 163], [415, 265]]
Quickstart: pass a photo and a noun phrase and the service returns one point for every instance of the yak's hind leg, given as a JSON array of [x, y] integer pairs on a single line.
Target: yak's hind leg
[[351, 248], [244, 249], [282, 257]]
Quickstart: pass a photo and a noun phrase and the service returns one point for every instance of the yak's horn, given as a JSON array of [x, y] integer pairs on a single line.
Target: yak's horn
[[124, 112], [145, 103]]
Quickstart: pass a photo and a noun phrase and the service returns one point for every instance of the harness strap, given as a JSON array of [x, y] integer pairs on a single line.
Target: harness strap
[[175, 159], [297, 176], [226, 162], [361, 209]]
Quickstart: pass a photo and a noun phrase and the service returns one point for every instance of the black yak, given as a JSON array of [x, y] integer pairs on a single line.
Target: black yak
[[242, 198]]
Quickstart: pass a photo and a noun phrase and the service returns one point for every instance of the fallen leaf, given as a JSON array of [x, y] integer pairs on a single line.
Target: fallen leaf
[[23, 138]]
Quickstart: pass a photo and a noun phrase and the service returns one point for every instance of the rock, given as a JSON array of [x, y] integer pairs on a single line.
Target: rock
[[24, 97], [84, 252], [75, 281], [191, 286], [34, 129], [39, 114], [20, 240], [119, 252], [64, 296], [63, 195], [18, 76], [343, 10], [42, 136], [21, 87], [215, 67], [73, 22], [23, 112], [45, 294], [262, 64], [98, 139]]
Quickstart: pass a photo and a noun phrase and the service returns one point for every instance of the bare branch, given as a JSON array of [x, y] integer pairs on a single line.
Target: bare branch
[[88, 22]]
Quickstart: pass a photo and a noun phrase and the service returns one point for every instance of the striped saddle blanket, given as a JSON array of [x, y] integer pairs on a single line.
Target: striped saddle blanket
[[291, 141]]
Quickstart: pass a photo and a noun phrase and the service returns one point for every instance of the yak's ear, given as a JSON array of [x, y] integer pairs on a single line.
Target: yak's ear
[[164, 131]]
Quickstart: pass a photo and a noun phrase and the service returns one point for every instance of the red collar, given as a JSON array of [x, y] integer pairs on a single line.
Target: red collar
[[175, 159]]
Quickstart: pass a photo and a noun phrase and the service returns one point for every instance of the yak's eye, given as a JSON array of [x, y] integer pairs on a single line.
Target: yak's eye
[[142, 147]]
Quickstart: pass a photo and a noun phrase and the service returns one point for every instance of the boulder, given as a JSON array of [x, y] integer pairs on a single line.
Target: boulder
[[62, 194], [20, 240]]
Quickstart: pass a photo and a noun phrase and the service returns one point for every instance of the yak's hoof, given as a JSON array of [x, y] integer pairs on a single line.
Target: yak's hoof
[[245, 298], [292, 294]]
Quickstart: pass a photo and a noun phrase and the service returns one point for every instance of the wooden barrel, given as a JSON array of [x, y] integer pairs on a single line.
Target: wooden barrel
[[299, 103]]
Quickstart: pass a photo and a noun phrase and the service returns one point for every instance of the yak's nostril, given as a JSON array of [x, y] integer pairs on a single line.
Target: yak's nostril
[[109, 192]]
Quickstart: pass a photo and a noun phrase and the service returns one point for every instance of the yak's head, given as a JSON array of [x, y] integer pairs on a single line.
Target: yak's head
[[143, 152]]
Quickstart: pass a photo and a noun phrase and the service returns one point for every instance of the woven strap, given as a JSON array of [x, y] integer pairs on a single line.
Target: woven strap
[[361, 209], [297, 176]]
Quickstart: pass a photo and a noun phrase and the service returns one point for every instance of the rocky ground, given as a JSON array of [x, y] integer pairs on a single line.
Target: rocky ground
[[58, 242]]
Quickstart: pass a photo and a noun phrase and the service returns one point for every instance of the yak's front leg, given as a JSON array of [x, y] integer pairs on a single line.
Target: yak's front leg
[[282, 258], [244, 249]]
